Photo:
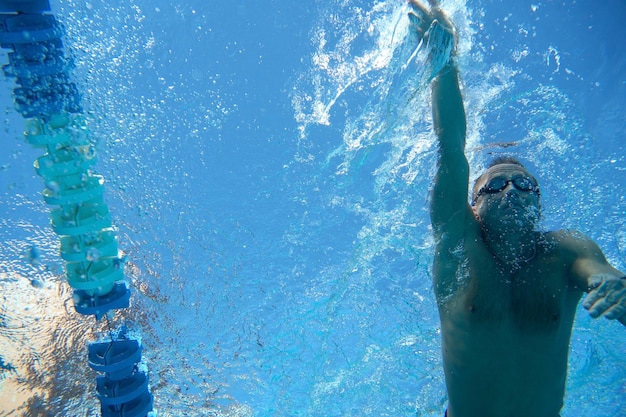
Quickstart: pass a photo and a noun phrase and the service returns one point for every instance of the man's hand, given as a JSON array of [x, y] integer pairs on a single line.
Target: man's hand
[[607, 297], [422, 18], [434, 31]]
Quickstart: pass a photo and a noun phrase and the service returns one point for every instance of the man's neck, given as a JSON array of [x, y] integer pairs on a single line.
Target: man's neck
[[512, 247]]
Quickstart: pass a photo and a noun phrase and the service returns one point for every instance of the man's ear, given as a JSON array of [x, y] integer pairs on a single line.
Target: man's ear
[[475, 212]]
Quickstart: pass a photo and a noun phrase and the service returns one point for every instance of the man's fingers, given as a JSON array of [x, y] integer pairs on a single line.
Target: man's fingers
[[419, 7], [417, 20], [597, 290], [598, 308], [607, 299], [593, 297], [615, 312], [608, 307], [595, 302]]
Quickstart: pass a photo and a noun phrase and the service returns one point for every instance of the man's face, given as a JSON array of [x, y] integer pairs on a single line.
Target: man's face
[[507, 196]]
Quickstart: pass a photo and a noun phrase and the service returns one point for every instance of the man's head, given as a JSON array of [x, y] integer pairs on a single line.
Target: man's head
[[506, 191]]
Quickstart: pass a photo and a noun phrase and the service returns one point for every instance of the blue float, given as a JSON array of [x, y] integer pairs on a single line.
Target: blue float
[[28, 6], [116, 393], [99, 305], [140, 406], [116, 358]]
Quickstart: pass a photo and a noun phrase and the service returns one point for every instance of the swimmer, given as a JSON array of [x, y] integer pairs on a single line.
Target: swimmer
[[507, 293]]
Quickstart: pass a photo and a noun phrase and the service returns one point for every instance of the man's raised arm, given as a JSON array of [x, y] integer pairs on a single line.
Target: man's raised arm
[[449, 208]]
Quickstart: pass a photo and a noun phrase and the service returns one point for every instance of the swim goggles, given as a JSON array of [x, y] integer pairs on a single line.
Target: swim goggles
[[496, 185]]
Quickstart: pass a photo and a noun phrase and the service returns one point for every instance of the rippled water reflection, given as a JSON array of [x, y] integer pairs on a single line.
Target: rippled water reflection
[[43, 352]]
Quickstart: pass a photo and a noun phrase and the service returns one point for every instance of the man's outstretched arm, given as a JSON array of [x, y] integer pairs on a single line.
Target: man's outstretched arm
[[605, 285], [449, 208]]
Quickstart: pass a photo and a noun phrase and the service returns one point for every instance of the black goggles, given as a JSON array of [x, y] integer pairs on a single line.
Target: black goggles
[[496, 185]]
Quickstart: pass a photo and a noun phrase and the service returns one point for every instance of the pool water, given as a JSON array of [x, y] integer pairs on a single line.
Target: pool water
[[268, 167]]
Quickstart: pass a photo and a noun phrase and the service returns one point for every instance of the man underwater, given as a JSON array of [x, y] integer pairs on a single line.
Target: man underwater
[[507, 293]]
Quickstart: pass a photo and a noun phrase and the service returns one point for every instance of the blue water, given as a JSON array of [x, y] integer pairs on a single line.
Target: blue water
[[268, 168]]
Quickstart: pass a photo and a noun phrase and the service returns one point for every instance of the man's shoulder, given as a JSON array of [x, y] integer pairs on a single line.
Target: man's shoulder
[[567, 241], [565, 236]]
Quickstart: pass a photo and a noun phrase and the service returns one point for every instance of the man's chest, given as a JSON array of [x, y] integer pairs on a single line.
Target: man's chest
[[532, 296]]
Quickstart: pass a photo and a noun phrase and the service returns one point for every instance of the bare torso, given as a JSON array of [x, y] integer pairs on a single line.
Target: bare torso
[[506, 328]]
